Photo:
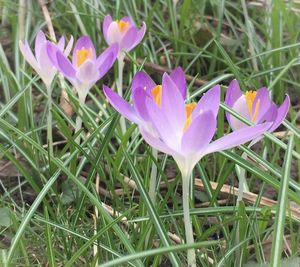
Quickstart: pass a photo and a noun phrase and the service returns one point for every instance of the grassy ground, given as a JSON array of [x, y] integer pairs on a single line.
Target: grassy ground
[[52, 210]]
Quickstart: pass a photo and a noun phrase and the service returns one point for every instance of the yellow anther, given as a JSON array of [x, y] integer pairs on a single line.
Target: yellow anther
[[123, 25], [188, 111], [156, 93], [82, 55], [250, 96]]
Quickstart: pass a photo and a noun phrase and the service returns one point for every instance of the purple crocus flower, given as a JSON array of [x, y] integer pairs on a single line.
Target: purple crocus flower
[[85, 69], [40, 61], [169, 124], [256, 106], [123, 32]]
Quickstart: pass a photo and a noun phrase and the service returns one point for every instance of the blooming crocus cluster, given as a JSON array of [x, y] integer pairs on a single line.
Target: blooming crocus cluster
[[173, 126], [40, 61], [85, 69], [123, 32], [256, 106]]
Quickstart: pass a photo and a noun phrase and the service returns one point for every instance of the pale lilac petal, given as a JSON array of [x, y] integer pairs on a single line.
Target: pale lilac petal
[[166, 128], [61, 43], [111, 52], [40, 40], [87, 73], [128, 40], [200, 132], [139, 96], [113, 34], [265, 102], [240, 106], [121, 105], [209, 101], [281, 113], [65, 65], [178, 77], [69, 47], [157, 143], [172, 103], [106, 22], [237, 137], [46, 66], [142, 79], [86, 42], [28, 55]]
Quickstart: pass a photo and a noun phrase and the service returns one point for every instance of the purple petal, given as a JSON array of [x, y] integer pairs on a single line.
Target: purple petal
[[264, 103], [233, 93], [172, 103], [157, 143], [40, 40], [108, 61], [281, 113], [28, 55], [106, 22], [178, 77], [110, 52], [198, 135], [121, 105], [69, 47], [166, 128], [61, 43], [142, 79], [65, 65], [209, 101], [139, 97], [128, 40], [132, 37], [51, 52], [46, 66], [237, 137], [86, 42], [87, 73]]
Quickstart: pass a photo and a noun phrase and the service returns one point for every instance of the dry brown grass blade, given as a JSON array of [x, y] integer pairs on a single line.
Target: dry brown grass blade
[[248, 197]]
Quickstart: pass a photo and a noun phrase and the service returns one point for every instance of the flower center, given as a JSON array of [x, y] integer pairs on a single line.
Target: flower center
[[123, 25], [156, 93], [82, 55], [188, 111], [250, 96]]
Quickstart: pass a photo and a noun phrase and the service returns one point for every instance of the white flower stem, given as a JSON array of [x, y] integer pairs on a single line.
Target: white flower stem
[[191, 256], [243, 186], [49, 120], [78, 124], [121, 57], [153, 176]]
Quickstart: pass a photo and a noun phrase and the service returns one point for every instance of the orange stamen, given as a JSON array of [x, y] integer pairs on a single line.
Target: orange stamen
[[156, 93], [123, 25], [250, 96], [82, 55], [188, 110]]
